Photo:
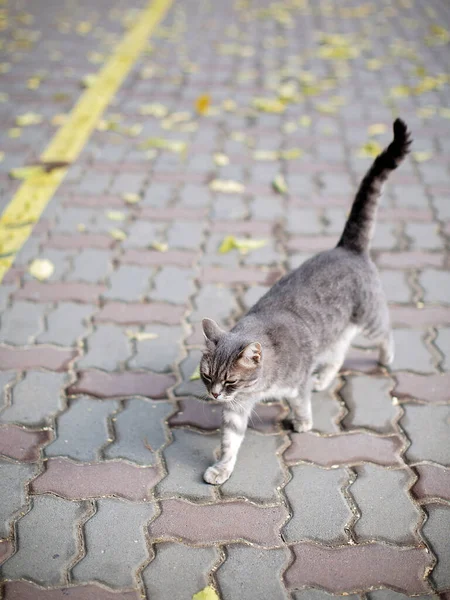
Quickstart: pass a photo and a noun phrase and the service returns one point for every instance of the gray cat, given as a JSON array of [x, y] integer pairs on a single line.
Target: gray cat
[[295, 338]]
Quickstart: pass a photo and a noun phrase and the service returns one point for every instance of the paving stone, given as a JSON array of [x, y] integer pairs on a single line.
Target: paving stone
[[139, 431], [127, 182], [369, 403], [185, 235], [30, 591], [212, 256], [66, 324], [433, 482], [22, 444], [313, 594], [432, 388], [53, 359], [82, 429], [110, 385], [177, 567], [48, 541], [411, 353], [252, 573], [5, 293], [443, 343], [246, 480], [391, 595], [428, 429], [158, 354], [215, 301], [153, 258], [173, 285], [126, 313], [106, 336], [436, 530], [13, 494], [267, 207], [320, 511], [253, 294], [157, 194], [129, 283], [436, 285], [410, 196], [219, 523], [194, 196], [80, 241], [229, 208], [61, 260], [326, 411], [304, 220], [94, 185], [6, 550], [266, 256], [424, 236], [91, 265], [22, 323], [141, 234], [187, 368], [35, 399], [410, 260], [388, 513], [187, 458], [76, 481], [350, 569], [114, 564], [412, 316], [395, 286], [60, 292], [348, 448], [384, 237], [6, 379]]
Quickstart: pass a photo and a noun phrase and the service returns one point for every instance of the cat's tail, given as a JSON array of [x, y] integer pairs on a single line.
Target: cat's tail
[[360, 224]]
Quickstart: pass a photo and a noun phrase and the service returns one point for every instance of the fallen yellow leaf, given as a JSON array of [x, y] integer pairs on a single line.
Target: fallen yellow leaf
[[374, 64], [116, 215], [141, 336], [229, 105], [304, 121], [171, 145], [29, 118], [377, 129], [207, 593], [81, 227], [88, 80], [279, 184], [221, 159], [439, 36], [269, 105], [202, 104], [14, 132], [159, 246], [400, 91], [2, 156], [422, 156], [196, 374], [370, 149], [41, 268], [227, 186], [118, 234], [265, 155], [289, 127], [131, 198], [426, 112], [242, 245], [291, 153], [154, 109], [59, 119], [444, 112], [33, 83]]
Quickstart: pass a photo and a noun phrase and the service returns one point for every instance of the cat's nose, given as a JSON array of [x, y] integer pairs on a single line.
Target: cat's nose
[[214, 395]]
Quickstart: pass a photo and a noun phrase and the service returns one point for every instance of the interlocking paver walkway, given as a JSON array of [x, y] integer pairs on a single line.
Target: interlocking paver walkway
[[103, 434]]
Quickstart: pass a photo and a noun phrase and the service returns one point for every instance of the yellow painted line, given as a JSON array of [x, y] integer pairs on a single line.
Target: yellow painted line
[[30, 200]]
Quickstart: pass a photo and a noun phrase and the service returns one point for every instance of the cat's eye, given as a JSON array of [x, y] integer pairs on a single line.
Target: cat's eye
[[231, 382]]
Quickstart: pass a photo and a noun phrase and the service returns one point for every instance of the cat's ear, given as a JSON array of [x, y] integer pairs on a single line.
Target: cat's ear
[[250, 357], [211, 330]]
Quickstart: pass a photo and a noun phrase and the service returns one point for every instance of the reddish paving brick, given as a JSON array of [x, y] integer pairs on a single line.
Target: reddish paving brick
[[318, 201], [411, 316], [207, 415], [222, 523], [434, 389], [196, 338], [134, 313], [15, 590], [94, 201], [344, 448], [13, 275], [348, 569], [76, 481], [391, 215], [6, 550], [80, 240], [22, 444], [171, 214], [230, 276], [36, 357], [242, 227], [151, 258], [363, 361], [315, 243], [110, 385], [433, 482], [410, 260], [60, 292]]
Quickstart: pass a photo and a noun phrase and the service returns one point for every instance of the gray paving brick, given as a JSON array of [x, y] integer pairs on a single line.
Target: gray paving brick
[[389, 513], [428, 429], [29, 251], [173, 284], [268, 255], [335, 219], [301, 185], [185, 235], [253, 294], [437, 531], [14, 477], [337, 181], [112, 563], [326, 409], [160, 353], [267, 208], [369, 403], [48, 541], [313, 594], [409, 195], [194, 196], [229, 207], [424, 236], [442, 207], [436, 285], [214, 301], [443, 343], [157, 195], [411, 353], [91, 265], [252, 573], [177, 567], [61, 260], [82, 429], [105, 336], [187, 367], [385, 237], [22, 322], [304, 220], [262, 173], [320, 511], [141, 234], [97, 183], [187, 458], [5, 291], [391, 595], [127, 182], [35, 399], [69, 218], [129, 283], [6, 378], [395, 286], [246, 480], [66, 324], [139, 431]]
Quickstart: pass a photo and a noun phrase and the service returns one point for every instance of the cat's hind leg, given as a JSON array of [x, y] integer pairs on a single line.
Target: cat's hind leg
[[333, 358]]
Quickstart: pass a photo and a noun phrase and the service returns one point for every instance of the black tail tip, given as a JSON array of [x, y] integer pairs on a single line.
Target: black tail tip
[[402, 136]]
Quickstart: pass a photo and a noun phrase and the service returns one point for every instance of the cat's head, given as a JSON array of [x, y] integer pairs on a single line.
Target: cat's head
[[229, 364]]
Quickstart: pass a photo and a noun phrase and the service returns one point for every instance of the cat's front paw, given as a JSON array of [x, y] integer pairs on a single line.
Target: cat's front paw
[[302, 426], [217, 474], [319, 384]]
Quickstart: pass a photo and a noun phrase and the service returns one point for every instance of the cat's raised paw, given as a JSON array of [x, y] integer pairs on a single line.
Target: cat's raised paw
[[217, 474], [302, 426]]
